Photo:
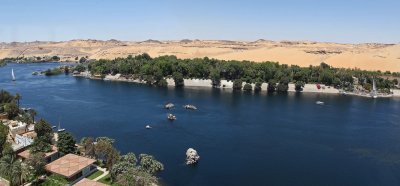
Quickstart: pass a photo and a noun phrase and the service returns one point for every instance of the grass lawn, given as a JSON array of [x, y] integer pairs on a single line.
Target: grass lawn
[[95, 175], [107, 180]]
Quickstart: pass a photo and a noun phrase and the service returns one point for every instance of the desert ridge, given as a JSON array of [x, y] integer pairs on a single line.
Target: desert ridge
[[383, 57]]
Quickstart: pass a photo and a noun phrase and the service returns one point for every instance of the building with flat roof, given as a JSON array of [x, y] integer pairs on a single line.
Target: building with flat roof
[[72, 167]]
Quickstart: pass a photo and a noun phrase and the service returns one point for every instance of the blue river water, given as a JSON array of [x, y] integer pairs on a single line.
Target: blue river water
[[242, 138]]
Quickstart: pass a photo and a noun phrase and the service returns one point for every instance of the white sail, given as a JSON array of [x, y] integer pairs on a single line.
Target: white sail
[[12, 74], [373, 85], [374, 91]]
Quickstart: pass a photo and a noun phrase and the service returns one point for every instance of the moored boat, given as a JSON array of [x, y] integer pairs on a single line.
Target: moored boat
[[171, 117], [191, 107], [169, 106]]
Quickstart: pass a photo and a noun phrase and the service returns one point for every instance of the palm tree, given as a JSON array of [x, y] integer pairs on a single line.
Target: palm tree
[[18, 97], [11, 169], [33, 113]]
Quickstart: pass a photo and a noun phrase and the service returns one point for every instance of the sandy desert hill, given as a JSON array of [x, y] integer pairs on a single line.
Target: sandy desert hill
[[384, 57]]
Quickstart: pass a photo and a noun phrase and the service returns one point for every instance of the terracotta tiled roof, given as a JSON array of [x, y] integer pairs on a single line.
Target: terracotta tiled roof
[[69, 165], [25, 154], [87, 182]]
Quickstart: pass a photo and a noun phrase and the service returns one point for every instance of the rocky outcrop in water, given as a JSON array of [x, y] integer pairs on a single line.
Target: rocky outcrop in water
[[191, 156]]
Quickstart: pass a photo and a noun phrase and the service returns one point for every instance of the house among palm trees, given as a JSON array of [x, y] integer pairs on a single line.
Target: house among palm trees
[[72, 167], [20, 134], [49, 156]]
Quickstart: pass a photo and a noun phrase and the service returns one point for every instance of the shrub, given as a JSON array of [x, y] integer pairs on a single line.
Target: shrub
[[247, 87], [271, 86], [299, 86], [237, 84], [257, 87]]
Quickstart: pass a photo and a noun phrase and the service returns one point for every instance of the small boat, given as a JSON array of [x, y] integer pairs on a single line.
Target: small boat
[[374, 92], [319, 103], [169, 106], [60, 129], [54, 127], [148, 127], [171, 117], [191, 107], [35, 73], [12, 74]]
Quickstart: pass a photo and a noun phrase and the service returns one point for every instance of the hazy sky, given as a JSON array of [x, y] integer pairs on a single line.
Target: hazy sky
[[348, 21]]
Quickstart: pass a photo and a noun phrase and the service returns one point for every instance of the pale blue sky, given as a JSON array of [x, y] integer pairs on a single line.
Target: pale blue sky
[[346, 21]]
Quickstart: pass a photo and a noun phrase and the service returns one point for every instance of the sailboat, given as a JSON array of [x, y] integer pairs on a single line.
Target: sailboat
[[12, 74], [374, 91], [60, 129]]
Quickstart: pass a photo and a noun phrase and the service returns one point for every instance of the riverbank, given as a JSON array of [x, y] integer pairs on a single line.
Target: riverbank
[[226, 84]]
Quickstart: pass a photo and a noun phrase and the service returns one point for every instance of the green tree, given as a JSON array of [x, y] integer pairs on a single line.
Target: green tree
[[178, 78], [135, 177], [54, 180], [80, 68], [82, 60], [257, 87], [36, 163], [237, 84], [44, 130], [32, 113], [105, 151], [44, 138], [11, 169], [247, 87], [299, 86], [271, 85], [55, 58], [3, 135], [149, 164], [66, 143], [11, 109], [88, 145], [215, 78], [18, 97]]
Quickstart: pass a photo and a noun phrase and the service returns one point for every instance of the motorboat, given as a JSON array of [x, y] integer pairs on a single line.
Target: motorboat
[[319, 103], [171, 117], [191, 107], [148, 127], [169, 106]]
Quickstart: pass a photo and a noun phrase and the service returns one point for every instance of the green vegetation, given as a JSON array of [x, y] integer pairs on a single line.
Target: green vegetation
[[154, 70], [33, 59], [107, 180], [247, 87], [43, 141], [3, 63], [95, 174], [66, 143], [54, 180], [237, 84]]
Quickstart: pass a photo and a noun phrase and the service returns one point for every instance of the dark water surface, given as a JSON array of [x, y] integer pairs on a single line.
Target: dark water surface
[[243, 139]]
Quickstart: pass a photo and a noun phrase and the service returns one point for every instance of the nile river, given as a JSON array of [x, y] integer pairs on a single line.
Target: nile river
[[242, 138]]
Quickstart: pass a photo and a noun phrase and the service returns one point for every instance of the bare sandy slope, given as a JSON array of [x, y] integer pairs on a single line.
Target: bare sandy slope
[[364, 56]]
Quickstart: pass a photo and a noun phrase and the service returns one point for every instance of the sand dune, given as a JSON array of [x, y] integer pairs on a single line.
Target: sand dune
[[303, 53]]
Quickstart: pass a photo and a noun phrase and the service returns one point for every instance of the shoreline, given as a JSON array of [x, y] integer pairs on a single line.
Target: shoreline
[[226, 84]]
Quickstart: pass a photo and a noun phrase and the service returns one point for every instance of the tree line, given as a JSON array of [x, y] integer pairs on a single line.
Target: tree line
[[155, 70]]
